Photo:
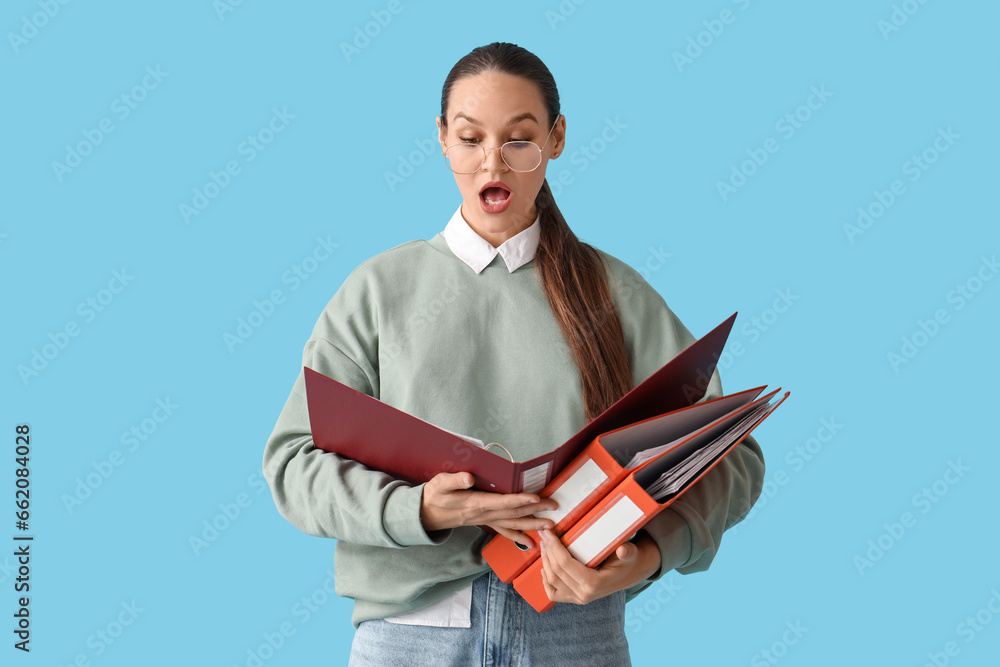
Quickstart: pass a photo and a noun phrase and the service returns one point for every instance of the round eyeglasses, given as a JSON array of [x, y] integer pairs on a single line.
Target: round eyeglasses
[[520, 156]]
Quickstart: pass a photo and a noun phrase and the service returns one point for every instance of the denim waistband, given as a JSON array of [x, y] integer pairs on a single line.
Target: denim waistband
[[506, 631]]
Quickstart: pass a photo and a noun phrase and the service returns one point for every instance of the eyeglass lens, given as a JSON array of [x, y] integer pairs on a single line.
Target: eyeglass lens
[[519, 156]]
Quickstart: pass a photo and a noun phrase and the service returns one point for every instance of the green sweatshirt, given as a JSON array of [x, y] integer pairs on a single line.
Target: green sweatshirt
[[479, 354]]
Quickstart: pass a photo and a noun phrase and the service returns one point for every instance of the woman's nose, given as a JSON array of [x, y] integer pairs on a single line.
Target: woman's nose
[[494, 161]]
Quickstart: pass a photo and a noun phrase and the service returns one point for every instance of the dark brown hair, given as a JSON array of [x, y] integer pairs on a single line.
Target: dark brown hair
[[571, 272]]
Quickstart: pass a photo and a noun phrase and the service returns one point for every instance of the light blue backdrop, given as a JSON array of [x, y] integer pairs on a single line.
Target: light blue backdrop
[[827, 169]]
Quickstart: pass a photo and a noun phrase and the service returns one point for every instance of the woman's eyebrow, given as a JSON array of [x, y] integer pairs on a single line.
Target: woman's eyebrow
[[514, 120]]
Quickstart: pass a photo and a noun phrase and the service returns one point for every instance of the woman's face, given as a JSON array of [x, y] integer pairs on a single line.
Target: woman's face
[[480, 109]]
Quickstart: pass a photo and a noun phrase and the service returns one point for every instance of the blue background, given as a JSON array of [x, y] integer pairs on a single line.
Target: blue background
[[825, 552]]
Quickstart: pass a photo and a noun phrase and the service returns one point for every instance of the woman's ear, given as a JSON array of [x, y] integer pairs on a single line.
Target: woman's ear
[[559, 137], [442, 133]]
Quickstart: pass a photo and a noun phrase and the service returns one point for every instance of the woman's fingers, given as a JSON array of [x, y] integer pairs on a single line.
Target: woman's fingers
[[492, 507], [513, 535], [556, 588], [574, 574], [522, 524], [449, 501], [517, 519], [528, 502], [501, 505], [450, 482], [445, 482]]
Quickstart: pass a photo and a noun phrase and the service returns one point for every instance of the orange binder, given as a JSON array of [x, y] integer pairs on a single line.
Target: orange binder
[[362, 428], [600, 467], [623, 511]]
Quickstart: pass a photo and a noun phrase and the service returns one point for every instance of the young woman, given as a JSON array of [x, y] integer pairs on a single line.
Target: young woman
[[506, 327]]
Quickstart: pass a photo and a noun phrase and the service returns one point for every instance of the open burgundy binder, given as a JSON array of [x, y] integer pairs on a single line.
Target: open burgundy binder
[[362, 428]]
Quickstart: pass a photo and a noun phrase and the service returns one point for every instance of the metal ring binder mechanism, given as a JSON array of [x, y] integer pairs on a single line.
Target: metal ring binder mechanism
[[497, 444]]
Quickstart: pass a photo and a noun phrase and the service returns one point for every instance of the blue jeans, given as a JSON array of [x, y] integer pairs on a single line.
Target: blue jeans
[[505, 631]]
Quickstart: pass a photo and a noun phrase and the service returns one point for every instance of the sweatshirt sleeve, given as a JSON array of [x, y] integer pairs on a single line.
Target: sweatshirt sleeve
[[689, 532], [319, 492]]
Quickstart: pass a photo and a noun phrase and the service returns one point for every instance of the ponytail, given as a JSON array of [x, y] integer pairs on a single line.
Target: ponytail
[[574, 278]]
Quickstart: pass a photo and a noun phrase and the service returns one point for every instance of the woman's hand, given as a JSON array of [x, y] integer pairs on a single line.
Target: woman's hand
[[568, 580], [448, 502]]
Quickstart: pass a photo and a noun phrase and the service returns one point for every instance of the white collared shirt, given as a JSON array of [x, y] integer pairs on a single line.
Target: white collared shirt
[[454, 611], [477, 252]]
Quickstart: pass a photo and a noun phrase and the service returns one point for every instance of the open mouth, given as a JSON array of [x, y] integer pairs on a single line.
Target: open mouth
[[494, 195]]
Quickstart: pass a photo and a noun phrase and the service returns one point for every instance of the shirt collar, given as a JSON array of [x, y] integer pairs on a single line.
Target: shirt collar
[[477, 252]]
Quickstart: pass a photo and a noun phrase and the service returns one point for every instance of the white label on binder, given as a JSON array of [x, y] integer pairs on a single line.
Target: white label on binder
[[533, 480], [575, 490], [605, 530]]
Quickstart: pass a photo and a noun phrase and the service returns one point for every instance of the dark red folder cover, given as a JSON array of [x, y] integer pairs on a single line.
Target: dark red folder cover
[[359, 427]]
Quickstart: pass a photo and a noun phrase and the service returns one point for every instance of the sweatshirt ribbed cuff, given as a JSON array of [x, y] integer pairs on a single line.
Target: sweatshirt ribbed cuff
[[401, 518], [672, 534]]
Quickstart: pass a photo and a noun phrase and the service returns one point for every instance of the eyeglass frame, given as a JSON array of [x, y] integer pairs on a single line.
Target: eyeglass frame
[[500, 148]]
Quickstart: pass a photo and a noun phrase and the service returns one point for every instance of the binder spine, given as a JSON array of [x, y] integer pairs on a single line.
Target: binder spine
[[577, 489], [602, 530], [611, 522]]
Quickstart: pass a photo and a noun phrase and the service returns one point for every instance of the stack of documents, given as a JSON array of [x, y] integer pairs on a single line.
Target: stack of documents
[[684, 470], [603, 502]]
